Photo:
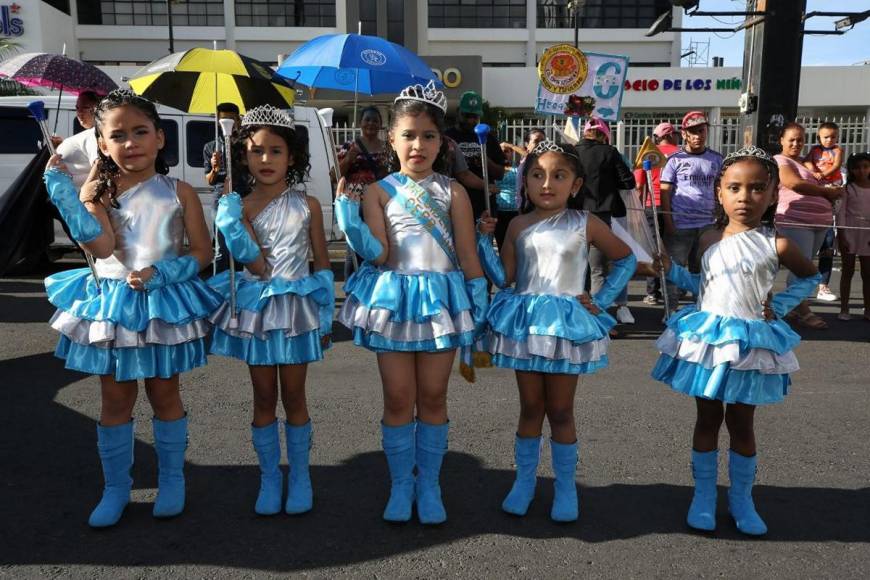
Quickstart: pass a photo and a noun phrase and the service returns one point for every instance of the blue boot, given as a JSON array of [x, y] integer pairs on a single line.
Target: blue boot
[[170, 439], [115, 445], [431, 447], [398, 444], [702, 512], [741, 471], [268, 448], [300, 497], [527, 454], [564, 457]]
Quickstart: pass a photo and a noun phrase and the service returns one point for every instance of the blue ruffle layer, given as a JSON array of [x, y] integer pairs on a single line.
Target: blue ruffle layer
[[130, 364], [378, 343], [721, 383], [253, 295], [517, 316], [75, 292], [540, 364], [409, 297], [279, 349], [695, 325]]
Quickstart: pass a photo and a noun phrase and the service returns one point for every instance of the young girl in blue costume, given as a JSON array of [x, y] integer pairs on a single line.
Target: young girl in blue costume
[[284, 317], [731, 351], [147, 314], [419, 295], [545, 327]]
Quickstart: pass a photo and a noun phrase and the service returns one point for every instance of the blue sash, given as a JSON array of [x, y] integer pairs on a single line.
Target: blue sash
[[419, 204]]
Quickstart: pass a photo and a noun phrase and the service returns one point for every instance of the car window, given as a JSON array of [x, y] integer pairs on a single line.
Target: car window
[[198, 134], [18, 122], [170, 148]]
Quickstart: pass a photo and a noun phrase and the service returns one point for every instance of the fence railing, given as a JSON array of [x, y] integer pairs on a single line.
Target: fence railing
[[724, 134]]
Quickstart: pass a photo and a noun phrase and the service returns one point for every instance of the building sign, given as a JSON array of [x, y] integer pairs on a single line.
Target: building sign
[[686, 84], [575, 83], [10, 24], [458, 73]]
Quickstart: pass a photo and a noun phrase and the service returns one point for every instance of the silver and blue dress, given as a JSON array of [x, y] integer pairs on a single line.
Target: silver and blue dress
[[128, 333], [417, 300], [722, 348], [278, 313], [539, 325]]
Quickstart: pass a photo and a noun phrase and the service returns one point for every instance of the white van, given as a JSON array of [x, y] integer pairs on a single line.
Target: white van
[[186, 135]]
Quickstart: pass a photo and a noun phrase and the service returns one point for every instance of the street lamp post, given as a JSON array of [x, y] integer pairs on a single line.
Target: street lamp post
[[169, 21]]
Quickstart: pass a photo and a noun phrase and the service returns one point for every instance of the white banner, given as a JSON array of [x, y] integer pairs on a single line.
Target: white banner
[[599, 95]]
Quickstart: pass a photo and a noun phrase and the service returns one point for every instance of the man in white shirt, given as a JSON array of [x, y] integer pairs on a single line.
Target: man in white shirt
[[79, 152]]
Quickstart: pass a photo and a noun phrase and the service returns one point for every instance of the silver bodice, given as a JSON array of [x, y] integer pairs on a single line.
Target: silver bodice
[[552, 255], [148, 227], [412, 248], [283, 231], [737, 273]]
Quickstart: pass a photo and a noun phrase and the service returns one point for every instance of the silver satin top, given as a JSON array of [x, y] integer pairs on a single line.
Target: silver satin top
[[552, 255], [737, 273], [282, 229], [148, 227], [412, 248]]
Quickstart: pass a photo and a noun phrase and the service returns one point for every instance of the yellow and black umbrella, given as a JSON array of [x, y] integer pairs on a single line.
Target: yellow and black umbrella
[[197, 80]]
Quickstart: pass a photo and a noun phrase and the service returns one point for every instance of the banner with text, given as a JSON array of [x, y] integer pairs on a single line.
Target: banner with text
[[575, 83]]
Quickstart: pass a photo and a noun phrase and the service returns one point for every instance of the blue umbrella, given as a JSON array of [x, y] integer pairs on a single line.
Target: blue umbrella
[[353, 62]]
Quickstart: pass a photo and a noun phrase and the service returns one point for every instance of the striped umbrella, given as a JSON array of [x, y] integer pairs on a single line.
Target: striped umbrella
[[198, 80]]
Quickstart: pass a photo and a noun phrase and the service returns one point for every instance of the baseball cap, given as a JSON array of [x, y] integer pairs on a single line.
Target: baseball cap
[[664, 129], [471, 103], [693, 119], [597, 124]]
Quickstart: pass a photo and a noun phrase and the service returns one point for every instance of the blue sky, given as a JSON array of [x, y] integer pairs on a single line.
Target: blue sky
[[844, 50]]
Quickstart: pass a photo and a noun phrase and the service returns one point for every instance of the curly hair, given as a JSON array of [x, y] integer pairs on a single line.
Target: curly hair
[[767, 219], [107, 169], [297, 146], [403, 108]]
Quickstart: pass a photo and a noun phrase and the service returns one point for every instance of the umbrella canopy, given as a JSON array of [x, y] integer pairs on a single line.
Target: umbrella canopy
[[355, 63], [55, 71], [198, 80]]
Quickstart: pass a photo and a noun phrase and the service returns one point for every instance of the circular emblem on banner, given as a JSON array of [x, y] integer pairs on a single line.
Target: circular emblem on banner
[[373, 57], [562, 69]]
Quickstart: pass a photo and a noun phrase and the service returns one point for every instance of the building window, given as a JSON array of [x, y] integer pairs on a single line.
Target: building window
[[62, 5], [601, 13], [368, 17], [477, 13], [285, 13], [151, 12], [396, 21]]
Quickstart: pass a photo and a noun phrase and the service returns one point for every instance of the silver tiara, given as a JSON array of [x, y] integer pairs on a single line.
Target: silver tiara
[[547, 146], [428, 94], [269, 115], [751, 151]]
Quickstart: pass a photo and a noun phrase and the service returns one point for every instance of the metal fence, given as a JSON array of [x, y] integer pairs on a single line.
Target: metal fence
[[724, 133]]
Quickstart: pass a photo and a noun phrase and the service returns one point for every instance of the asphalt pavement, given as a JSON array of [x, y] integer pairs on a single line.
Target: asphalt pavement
[[634, 477]]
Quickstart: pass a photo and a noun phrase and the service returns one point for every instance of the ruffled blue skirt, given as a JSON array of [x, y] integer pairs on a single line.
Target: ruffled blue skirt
[[127, 333], [546, 334], [389, 311], [726, 359], [277, 321]]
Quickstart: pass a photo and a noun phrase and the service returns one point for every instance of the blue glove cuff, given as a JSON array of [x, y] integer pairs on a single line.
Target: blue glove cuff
[[477, 289], [796, 292], [620, 273], [62, 192], [683, 278], [491, 263], [327, 306], [358, 235], [172, 271], [229, 221]]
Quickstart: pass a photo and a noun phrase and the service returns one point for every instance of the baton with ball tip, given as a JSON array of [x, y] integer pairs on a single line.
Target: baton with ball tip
[[37, 109], [227, 126], [482, 132], [647, 171]]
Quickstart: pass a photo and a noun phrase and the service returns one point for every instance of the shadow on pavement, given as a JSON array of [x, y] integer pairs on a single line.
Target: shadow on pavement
[[52, 479]]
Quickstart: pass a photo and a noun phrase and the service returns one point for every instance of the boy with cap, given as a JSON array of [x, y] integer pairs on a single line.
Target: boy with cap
[[666, 139], [470, 111], [687, 190]]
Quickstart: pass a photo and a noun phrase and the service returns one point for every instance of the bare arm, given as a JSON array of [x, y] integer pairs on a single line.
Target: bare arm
[[665, 190], [509, 250], [603, 238], [791, 180], [318, 235], [194, 225], [791, 257], [462, 217], [103, 246]]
